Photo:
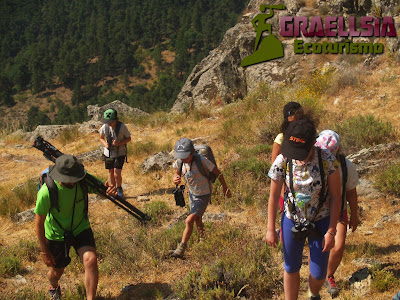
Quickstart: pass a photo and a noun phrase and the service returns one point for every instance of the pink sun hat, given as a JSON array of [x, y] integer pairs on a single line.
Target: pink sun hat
[[328, 140]]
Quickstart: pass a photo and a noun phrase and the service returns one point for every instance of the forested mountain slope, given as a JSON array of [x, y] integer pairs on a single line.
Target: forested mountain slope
[[137, 51]]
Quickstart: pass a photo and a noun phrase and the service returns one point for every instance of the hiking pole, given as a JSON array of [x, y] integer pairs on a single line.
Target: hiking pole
[[51, 153]]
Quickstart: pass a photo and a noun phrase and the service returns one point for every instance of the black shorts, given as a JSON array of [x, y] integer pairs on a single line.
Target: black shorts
[[114, 163], [60, 251]]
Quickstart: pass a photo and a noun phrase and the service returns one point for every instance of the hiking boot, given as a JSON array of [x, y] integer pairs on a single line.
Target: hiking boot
[[179, 251], [318, 297], [120, 192], [55, 293], [331, 287]]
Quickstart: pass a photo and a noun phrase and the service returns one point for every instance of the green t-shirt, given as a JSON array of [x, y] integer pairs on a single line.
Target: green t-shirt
[[66, 198]]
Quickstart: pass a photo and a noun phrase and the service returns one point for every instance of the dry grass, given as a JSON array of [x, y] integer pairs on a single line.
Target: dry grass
[[236, 134]]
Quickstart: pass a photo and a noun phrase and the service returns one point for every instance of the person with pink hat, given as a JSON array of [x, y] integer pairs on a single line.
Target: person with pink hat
[[329, 140]]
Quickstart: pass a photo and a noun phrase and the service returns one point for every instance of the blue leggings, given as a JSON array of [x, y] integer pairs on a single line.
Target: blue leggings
[[293, 250]]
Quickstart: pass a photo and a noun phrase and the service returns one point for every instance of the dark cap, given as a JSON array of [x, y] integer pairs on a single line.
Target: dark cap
[[110, 115], [183, 148], [290, 109], [68, 169], [298, 139]]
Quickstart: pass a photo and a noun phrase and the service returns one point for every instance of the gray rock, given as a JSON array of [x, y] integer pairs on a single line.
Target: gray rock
[[157, 162], [360, 282], [385, 219], [23, 217], [19, 280], [48, 132], [143, 198], [364, 262], [96, 112], [91, 156], [370, 159], [365, 188], [210, 217]]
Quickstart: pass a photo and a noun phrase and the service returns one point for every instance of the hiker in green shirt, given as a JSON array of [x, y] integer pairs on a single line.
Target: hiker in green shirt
[[62, 221]]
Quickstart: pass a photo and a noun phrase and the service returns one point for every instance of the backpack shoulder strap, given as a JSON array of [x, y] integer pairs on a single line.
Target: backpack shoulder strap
[[53, 192], [343, 166], [179, 164], [85, 191], [200, 166]]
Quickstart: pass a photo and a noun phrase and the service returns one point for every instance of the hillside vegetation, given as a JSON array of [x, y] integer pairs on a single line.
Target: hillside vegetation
[[63, 55], [233, 261]]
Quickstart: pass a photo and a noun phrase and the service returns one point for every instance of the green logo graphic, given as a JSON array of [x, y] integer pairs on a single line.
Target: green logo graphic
[[270, 47]]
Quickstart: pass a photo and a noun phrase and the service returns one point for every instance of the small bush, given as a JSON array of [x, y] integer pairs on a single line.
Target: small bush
[[258, 168], [364, 131], [142, 148], [388, 180], [342, 80], [383, 280], [231, 260], [68, 135], [10, 265], [18, 199], [158, 211], [26, 193]]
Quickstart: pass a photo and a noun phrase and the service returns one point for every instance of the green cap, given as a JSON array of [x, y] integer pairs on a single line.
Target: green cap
[[110, 115]]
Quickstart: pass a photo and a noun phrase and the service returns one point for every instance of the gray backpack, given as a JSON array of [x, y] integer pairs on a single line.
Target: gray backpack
[[202, 150]]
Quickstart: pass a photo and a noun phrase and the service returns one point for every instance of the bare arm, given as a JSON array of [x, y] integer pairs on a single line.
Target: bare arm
[[39, 227], [221, 178], [334, 190], [352, 199], [276, 150], [103, 140], [271, 237]]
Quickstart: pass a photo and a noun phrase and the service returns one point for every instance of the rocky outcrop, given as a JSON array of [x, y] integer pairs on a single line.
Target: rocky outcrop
[[96, 113], [219, 79], [374, 157], [157, 162]]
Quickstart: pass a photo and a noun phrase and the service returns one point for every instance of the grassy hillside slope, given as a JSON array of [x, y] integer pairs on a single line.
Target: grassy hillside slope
[[233, 261]]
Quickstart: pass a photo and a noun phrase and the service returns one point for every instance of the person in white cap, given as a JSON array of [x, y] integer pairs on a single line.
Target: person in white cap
[[329, 140], [200, 189]]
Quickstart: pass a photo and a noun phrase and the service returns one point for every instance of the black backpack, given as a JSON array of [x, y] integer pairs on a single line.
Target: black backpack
[[53, 190]]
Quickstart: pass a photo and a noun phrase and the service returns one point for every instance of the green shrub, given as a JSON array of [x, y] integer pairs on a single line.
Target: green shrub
[[18, 199], [27, 249], [383, 280], [158, 211], [259, 169], [68, 135], [10, 265], [142, 148], [342, 80], [231, 259], [364, 131], [26, 193], [388, 180]]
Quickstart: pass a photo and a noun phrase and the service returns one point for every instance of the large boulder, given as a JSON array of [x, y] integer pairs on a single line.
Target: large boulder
[[219, 78], [157, 162], [96, 113]]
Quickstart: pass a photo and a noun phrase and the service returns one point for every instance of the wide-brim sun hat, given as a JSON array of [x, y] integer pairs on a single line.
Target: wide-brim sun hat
[[183, 148], [298, 139], [67, 169]]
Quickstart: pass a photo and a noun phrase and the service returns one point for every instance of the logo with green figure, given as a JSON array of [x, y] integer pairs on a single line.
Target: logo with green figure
[[270, 47]]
